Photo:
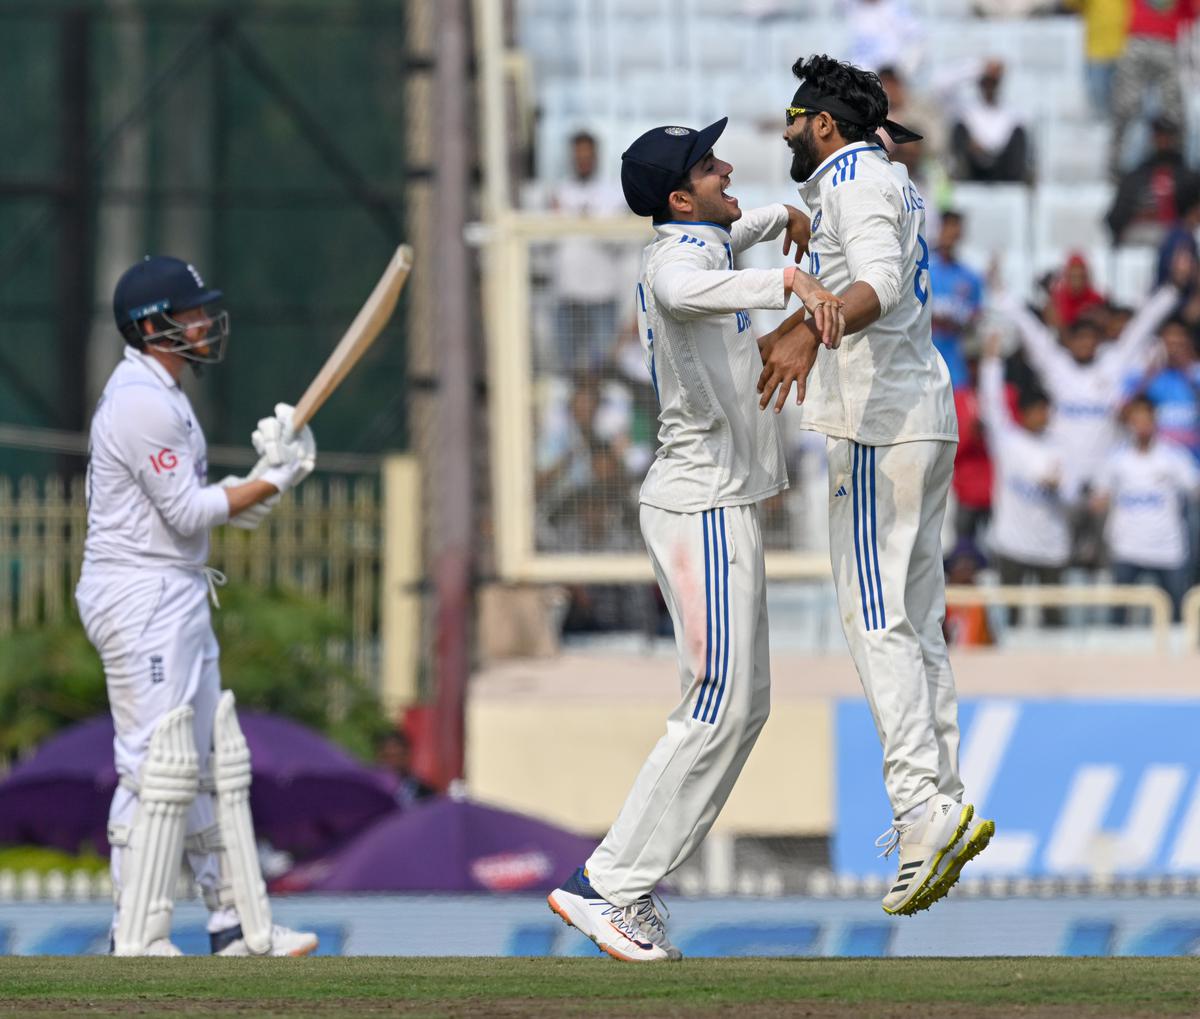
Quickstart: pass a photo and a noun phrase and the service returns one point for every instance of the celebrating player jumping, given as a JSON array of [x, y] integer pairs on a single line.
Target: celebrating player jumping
[[143, 595], [718, 457], [883, 400]]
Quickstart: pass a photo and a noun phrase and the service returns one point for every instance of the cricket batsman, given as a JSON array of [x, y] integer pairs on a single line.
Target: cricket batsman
[[718, 457], [884, 402], [143, 596]]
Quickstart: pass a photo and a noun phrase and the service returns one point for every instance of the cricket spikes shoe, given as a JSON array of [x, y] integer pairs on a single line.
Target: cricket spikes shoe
[[964, 852], [633, 933], [923, 844], [284, 941]]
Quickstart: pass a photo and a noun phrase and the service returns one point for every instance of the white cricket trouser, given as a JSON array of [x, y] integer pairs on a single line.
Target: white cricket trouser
[[886, 505], [153, 631], [710, 569]]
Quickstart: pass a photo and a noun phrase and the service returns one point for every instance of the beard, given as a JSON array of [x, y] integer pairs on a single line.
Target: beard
[[805, 158]]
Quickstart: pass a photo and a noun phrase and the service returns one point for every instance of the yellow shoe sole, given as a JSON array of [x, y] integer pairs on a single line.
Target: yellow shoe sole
[[910, 907], [975, 845]]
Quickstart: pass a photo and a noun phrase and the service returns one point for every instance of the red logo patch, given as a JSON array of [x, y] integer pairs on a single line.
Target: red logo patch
[[164, 460]]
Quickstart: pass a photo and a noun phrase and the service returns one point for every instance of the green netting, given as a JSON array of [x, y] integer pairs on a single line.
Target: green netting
[[268, 149]]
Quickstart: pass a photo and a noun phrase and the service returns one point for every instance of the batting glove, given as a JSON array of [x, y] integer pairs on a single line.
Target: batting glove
[[249, 519]]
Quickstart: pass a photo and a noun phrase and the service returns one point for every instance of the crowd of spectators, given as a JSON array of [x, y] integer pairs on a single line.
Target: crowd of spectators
[[1079, 417]]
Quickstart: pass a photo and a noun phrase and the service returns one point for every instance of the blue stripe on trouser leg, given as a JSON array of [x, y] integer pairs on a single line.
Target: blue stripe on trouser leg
[[724, 570], [862, 589], [873, 594], [708, 619], [875, 546], [718, 652]]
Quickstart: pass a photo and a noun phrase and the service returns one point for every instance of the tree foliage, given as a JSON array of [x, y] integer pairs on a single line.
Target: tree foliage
[[280, 652]]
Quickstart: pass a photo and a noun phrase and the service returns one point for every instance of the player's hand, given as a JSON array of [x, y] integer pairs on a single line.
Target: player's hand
[[765, 343], [798, 232], [825, 308], [275, 440], [789, 359], [252, 516]]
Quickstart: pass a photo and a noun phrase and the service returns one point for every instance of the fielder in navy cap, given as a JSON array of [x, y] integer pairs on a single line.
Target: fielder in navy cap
[[669, 160]]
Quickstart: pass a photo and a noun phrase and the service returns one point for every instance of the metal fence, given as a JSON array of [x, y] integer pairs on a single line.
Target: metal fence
[[325, 540]]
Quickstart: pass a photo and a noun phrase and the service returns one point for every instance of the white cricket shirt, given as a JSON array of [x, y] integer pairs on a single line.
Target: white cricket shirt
[[886, 383], [1146, 491], [1029, 511], [148, 504], [716, 448], [1086, 396]]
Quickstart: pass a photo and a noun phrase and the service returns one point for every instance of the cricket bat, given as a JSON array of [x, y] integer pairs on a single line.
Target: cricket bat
[[367, 325]]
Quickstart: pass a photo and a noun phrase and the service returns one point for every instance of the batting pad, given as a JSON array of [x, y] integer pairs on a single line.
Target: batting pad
[[150, 860], [231, 773]]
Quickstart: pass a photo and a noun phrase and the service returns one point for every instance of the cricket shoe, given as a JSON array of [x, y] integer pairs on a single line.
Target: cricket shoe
[[633, 933], [923, 844], [284, 941], [963, 853]]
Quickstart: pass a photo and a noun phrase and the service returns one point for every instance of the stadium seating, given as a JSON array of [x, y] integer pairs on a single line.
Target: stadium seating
[[618, 67]]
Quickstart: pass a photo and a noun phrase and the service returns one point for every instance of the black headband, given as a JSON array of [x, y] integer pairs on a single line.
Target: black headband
[[808, 97]]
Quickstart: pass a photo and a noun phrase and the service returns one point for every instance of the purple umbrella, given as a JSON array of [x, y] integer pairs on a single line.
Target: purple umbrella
[[308, 796], [447, 846]]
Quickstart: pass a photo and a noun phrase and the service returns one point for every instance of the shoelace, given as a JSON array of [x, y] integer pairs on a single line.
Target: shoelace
[[649, 911], [888, 841]]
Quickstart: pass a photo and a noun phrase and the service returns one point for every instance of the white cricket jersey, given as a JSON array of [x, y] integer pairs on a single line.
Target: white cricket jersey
[[885, 383], [1146, 490], [1029, 514], [1086, 397], [148, 504], [716, 448]]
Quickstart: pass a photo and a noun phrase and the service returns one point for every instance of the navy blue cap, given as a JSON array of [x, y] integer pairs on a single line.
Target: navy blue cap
[[157, 284], [652, 165]]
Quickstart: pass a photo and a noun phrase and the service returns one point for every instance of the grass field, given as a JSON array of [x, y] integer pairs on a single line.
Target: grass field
[[335, 988]]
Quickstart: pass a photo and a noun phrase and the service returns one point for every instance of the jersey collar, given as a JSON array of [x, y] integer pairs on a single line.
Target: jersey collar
[[834, 157], [151, 365], [700, 229]]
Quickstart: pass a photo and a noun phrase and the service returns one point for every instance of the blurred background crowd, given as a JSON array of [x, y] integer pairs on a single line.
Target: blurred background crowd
[[1063, 212]]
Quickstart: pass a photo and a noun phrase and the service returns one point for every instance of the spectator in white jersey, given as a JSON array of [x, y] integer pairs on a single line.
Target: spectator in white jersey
[[1030, 534], [1084, 379], [1145, 489]]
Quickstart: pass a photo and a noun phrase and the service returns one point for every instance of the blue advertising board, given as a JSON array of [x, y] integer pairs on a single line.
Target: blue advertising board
[[1077, 787], [522, 925]]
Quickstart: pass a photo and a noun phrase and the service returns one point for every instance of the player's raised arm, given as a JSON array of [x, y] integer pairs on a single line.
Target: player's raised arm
[[761, 224]]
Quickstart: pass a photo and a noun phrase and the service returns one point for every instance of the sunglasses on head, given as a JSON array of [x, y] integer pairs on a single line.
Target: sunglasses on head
[[792, 112]]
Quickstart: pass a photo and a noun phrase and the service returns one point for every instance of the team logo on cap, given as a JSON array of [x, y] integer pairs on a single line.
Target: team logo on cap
[[677, 131]]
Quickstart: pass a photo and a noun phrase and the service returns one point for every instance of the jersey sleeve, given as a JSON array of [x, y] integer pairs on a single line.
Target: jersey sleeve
[[686, 290], [758, 225], [1132, 348], [867, 218], [152, 442]]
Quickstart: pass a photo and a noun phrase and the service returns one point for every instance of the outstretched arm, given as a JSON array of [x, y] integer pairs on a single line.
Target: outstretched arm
[[1041, 346], [758, 225], [1133, 346]]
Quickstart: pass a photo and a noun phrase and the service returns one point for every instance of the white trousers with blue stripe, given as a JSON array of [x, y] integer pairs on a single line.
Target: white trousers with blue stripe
[[886, 505], [710, 570]]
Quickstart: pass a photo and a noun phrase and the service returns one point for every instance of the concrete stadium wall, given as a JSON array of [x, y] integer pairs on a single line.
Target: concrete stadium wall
[[562, 738]]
